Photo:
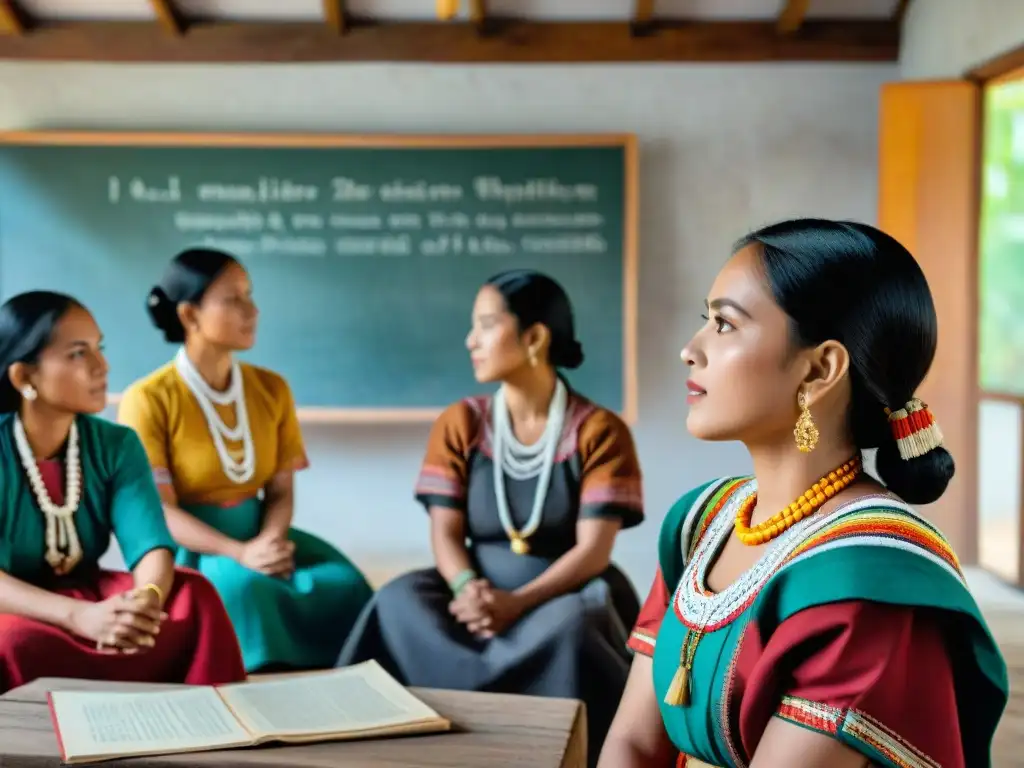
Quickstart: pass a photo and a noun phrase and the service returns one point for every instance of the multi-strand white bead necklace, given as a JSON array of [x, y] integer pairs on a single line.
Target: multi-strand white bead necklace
[[63, 548], [236, 471], [523, 462]]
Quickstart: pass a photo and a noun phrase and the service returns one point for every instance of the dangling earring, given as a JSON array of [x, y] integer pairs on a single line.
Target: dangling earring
[[29, 392], [532, 357], [806, 433]]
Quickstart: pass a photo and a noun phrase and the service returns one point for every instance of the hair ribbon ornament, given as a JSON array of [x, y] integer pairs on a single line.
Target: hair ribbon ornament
[[915, 429]]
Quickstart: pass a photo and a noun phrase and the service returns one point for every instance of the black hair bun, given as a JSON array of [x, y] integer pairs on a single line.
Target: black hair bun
[[164, 314], [919, 480], [570, 357]]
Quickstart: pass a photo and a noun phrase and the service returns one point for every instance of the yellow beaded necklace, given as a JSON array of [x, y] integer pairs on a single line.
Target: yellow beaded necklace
[[810, 500]]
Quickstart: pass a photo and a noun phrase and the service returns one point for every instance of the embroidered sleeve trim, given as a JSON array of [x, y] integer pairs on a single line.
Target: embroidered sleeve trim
[[865, 728], [623, 496], [855, 726], [811, 714], [642, 642], [436, 482]]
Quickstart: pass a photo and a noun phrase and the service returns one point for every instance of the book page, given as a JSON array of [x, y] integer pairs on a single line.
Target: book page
[[97, 723], [349, 700]]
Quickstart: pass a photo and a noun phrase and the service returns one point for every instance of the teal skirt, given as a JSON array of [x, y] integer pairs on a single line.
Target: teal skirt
[[295, 623]]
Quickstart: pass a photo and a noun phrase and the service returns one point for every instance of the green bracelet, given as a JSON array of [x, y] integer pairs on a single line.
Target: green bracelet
[[459, 583]]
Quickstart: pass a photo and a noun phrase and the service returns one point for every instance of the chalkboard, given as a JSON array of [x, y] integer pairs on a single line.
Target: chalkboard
[[365, 252]]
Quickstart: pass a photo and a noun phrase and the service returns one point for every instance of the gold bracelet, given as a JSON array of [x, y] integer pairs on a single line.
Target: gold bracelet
[[156, 591]]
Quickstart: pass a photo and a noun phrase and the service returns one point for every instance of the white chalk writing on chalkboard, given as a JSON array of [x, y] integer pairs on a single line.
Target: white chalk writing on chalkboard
[[261, 218], [271, 189], [141, 191]]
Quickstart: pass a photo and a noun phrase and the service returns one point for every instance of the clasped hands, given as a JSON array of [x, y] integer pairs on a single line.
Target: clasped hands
[[484, 610], [271, 553], [127, 623]]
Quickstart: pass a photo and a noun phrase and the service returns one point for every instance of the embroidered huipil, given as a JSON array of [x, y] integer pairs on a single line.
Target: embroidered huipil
[[856, 623]]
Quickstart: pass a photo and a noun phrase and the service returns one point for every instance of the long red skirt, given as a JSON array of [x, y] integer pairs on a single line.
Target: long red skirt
[[196, 645]]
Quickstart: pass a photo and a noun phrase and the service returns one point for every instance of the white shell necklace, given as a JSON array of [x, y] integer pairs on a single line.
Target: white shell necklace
[[522, 462], [236, 471], [63, 549]]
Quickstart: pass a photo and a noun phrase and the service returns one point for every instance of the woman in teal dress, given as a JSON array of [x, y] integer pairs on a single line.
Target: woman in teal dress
[[224, 441], [838, 632], [68, 480]]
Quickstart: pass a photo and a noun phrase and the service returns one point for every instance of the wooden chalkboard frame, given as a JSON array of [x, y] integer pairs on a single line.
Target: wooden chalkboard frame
[[323, 415]]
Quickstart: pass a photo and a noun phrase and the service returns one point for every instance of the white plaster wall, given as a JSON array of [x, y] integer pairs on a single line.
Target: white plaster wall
[[946, 38]]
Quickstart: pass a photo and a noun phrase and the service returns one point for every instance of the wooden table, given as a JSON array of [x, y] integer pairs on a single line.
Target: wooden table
[[489, 729]]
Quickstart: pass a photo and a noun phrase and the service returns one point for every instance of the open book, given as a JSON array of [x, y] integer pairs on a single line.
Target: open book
[[361, 701]]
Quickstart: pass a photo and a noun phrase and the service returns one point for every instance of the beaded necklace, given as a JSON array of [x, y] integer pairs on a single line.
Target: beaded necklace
[[711, 607], [236, 471], [827, 487], [63, 548], [522, 462]]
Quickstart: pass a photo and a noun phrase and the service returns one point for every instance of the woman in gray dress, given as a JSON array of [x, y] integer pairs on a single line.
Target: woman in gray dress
[[526, 492]]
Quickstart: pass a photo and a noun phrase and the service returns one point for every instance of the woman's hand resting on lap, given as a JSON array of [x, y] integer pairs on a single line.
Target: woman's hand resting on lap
[[484, 610], [468, 606], [125, 623], [269, 553]]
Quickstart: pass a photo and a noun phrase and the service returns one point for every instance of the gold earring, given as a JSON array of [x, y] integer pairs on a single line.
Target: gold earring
[[806, 433]]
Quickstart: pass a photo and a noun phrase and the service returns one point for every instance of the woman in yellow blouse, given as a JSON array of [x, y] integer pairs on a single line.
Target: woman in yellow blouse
[[224, 441]]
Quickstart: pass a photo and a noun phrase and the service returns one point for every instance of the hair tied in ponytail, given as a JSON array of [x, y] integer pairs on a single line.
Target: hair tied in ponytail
[[915, 430]]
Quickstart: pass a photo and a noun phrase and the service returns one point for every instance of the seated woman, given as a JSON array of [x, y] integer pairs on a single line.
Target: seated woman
[[223, 438], [838, 632], [540, 481], [68, 480]]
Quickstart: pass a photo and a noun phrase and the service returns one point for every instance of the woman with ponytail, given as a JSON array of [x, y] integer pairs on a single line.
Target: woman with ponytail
[[807, 616], [68, 481], [224, 441], [526, 491]]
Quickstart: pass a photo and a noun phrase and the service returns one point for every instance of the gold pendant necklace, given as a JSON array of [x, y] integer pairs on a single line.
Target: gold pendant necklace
[[518, 545]]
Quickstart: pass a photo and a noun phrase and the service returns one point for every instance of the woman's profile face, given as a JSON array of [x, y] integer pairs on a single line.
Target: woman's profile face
[[744, 376], [494, 342], [226, 316], [71, 372]]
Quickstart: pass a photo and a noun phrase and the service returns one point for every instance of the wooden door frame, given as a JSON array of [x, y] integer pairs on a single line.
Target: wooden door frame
[[1002, 68]]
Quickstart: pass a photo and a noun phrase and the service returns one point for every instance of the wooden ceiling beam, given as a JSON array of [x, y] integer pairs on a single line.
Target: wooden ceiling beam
[[792, 16], [13, 19], [172, 22], [334, 15], [509, 42]]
